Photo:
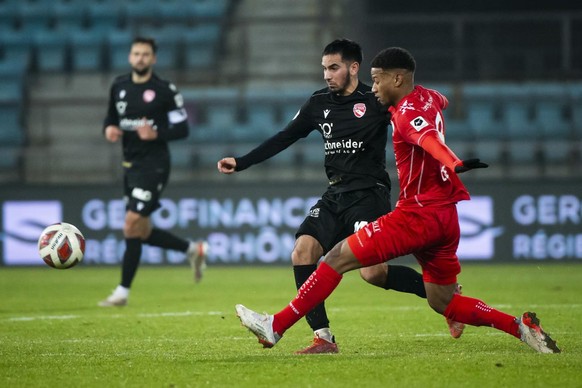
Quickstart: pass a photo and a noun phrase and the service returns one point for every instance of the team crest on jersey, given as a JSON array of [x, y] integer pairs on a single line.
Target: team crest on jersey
[[359, 110], [419, 123], [121, 106], [149, 95]]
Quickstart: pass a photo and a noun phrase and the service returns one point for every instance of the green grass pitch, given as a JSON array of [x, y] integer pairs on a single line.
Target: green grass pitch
[[175, 333]]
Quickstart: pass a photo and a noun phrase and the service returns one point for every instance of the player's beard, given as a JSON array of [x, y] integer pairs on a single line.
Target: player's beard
[[141, 72], [342, 88]]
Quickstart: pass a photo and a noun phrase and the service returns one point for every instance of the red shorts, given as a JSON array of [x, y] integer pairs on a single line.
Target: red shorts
[[431, 234]]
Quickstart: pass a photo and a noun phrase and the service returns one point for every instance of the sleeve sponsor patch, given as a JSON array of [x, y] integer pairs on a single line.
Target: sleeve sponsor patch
[[419, 123], [177, 116]]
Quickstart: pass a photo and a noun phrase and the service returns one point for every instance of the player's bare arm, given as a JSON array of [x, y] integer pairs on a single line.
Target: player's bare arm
[[226, 165], [113, 133]]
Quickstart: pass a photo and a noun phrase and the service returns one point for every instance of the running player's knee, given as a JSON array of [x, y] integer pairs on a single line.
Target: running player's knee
[[302, 257], [437, 305], [374, 275], [136, 226]]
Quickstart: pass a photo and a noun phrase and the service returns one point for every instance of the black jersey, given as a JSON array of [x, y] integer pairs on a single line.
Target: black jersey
[[158, 103], [354, 130]]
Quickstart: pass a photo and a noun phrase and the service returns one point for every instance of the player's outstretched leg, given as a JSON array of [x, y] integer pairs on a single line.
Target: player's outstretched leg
[[261, 325], [533, 334]]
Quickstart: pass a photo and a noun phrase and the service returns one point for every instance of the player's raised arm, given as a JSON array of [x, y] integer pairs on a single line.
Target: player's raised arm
[[432, 144]]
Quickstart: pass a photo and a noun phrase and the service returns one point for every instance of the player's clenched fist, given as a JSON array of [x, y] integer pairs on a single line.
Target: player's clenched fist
[[226, 165]]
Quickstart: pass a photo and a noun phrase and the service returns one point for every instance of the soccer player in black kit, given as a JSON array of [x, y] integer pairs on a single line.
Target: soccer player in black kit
[[354, 128], [146, 112]]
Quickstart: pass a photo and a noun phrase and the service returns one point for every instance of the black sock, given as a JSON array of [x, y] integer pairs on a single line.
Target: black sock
[[130, 261], [317, 318], [405, 279], [161, 238]]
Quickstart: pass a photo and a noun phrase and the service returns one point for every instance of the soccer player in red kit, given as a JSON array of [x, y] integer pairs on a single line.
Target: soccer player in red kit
[[424, 221]]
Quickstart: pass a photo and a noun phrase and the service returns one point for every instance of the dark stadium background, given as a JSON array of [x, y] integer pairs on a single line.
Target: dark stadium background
[[512, 72]]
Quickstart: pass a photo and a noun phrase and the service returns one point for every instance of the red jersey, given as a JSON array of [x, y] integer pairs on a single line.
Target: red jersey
[[424, 181]]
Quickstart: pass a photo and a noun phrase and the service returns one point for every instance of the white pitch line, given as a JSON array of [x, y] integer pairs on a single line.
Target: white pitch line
[[140, 315], [213, 313], [43, 317]]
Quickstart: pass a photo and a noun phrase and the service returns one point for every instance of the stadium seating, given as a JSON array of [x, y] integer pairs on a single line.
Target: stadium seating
[[17, 46], [51, 51], [117, 43], [481, 111], [213, 113], [8, 16], [34, 17], [12, 75], [11, 133], [87, 49], [104, 15], [68, 16], [200, 46]]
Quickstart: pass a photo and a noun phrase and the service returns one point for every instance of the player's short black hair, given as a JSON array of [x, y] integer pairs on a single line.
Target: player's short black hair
[[394, 58], [144, 40], [348, 49]]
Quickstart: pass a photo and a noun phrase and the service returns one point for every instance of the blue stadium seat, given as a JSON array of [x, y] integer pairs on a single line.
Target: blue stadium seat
[[87, 49], [518, 121], [11, 132], [104, 15], [261, 111], [118, 44], [200, 45], [17, 46], [8, 16], [12, 76], [51, 51], [456, 130], [211, 9], [481, 119], [34, 17], [69, 16], [216, 113], [178, 13], [141, 13], [552, 104], [481, 111], [10, 157]]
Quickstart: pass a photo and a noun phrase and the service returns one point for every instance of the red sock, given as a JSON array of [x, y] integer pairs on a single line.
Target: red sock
[[315, 290], [474, 312]]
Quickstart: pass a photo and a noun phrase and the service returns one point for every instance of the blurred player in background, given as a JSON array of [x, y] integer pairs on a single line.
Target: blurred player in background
[[146, 112], [353, 126], [424, 222]]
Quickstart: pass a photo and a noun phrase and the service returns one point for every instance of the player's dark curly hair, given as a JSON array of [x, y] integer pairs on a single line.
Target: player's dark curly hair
[[394, 58], [348, 49], [144, 40]]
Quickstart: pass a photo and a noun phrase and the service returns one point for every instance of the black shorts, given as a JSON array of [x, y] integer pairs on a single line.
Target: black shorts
[[143, 190], [336, 216]]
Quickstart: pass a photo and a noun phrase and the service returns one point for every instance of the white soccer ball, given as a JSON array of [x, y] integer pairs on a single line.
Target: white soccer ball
[[61, 245]]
